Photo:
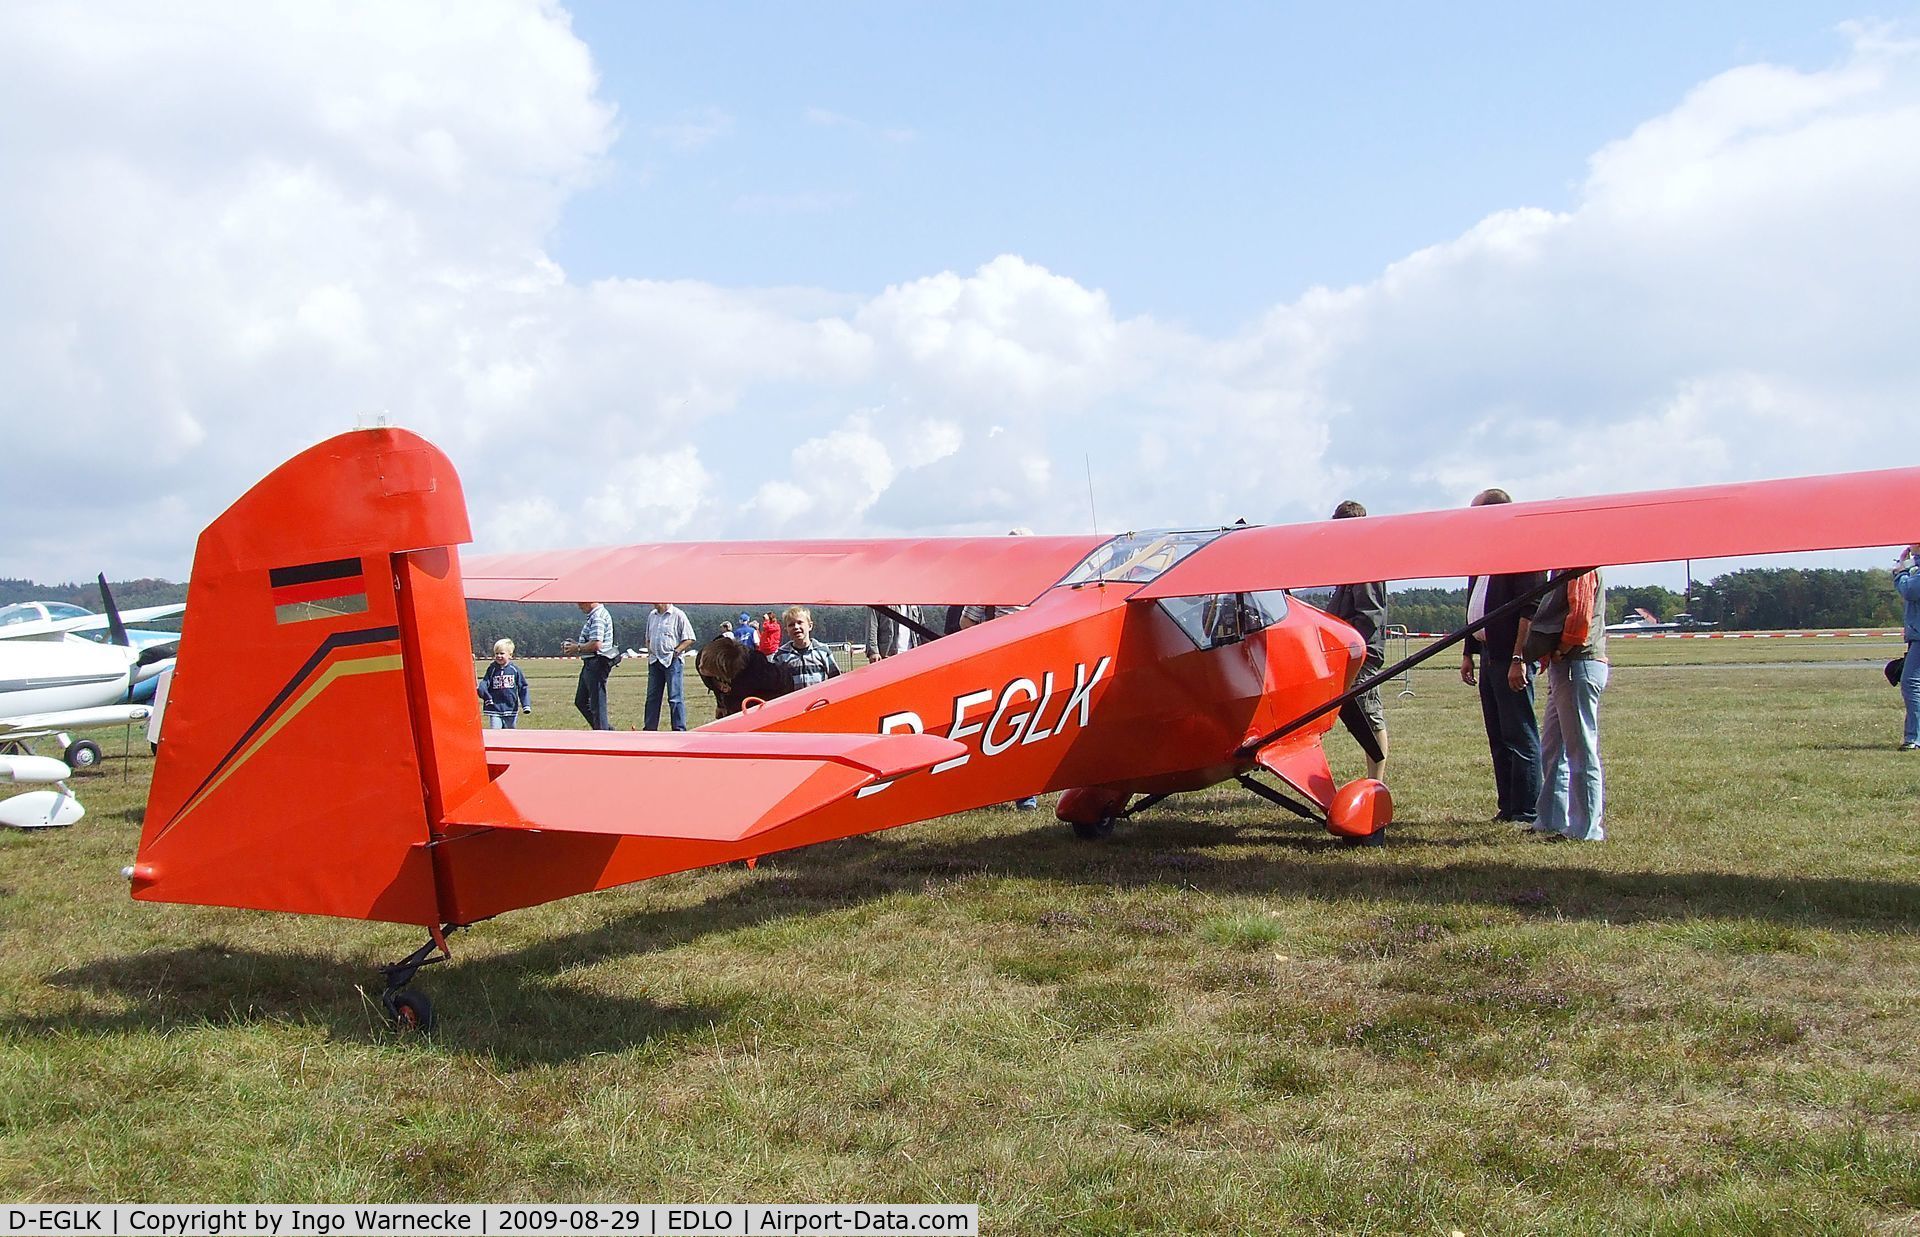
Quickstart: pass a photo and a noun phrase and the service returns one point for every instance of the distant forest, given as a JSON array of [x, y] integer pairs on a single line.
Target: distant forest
[[1757, 599]]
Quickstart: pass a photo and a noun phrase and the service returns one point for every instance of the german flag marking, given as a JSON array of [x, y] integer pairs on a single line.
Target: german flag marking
[[310, 591]]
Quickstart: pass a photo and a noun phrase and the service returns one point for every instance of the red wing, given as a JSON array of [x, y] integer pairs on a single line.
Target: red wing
[[1712, 521], [1004, 571], [715, 787]]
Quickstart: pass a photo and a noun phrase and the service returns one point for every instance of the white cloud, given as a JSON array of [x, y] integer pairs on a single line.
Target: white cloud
[[230, 230], [804, 202], [646, 497], [827, 118], [692, 130]]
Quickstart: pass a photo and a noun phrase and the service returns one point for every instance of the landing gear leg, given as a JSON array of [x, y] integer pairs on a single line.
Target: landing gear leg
[[406, 1010]]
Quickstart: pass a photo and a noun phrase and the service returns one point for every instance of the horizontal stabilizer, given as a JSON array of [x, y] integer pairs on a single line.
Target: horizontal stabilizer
[[702, 786], [1007, 571]]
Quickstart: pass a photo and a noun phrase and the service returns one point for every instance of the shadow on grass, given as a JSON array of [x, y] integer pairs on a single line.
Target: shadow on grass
[[1213, 857], [546, 1021], [211, 986]]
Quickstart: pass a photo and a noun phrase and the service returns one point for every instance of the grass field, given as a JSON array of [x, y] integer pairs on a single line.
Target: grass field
[[1217, 1022]]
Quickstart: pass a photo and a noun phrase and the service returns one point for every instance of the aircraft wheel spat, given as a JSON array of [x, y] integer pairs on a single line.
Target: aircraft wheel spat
[[1360, 809]]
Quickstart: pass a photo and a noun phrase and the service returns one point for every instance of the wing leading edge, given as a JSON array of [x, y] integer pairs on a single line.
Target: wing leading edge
[[937, 570], [1842, 511]]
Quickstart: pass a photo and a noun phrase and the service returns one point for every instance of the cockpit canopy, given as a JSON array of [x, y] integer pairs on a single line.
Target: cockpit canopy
[[37, 611], [1138, 558], [1209, 621]]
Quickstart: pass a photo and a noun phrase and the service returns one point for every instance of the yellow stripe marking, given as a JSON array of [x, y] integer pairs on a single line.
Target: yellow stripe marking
[[338, 670]]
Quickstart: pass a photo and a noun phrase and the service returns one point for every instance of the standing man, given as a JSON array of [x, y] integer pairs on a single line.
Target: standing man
[[597, 653], [1569, 633], [669, 634], [1364, 608], [1513, 735], [769, 634], [805, 662], [1906, 578], [887, 637]]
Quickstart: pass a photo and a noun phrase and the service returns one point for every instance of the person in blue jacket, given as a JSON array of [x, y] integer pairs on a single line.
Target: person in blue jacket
[[504, 695], [1906, 578]]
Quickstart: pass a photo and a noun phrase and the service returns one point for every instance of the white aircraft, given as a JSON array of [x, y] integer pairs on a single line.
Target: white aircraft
[[52, 683], [38, 809], [1647, 621]]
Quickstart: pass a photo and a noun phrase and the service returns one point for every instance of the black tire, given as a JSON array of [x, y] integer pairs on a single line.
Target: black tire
[[411, 1012], [82, 754], [1095, 831]]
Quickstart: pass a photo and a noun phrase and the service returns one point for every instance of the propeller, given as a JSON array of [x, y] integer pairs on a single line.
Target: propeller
[[116, 630], [158, 652]]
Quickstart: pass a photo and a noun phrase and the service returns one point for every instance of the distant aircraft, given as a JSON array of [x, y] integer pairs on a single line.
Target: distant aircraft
[[54, 681], [42, 612], [1643, 620], [324, 753], [37, 809]]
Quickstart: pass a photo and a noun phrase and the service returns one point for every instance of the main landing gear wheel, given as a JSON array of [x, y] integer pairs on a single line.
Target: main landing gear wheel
[[1093, 831], [83, 754]]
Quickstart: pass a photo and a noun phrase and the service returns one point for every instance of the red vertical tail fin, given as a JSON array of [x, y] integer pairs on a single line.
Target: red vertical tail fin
[[322, 710]]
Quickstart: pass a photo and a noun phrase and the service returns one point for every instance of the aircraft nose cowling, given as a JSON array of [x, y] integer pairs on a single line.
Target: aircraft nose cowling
[[1360, 809]]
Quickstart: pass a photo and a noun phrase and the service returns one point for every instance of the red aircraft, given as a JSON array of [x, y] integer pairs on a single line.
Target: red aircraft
[[324, 752]]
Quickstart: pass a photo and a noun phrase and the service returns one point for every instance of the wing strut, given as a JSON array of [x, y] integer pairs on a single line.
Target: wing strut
[[1402, 666], [888, 612]]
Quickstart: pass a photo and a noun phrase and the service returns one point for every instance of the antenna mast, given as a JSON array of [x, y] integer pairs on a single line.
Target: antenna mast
[[1091, 509]]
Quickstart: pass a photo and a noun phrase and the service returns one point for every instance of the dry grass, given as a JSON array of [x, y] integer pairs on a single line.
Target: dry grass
[[1217, 1022]]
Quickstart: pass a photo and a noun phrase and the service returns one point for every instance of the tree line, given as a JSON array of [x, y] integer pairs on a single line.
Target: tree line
[[1755, 599]]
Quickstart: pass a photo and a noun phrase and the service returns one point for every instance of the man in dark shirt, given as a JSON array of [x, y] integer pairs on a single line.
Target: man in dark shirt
[[1364, 608], [1513, 733]]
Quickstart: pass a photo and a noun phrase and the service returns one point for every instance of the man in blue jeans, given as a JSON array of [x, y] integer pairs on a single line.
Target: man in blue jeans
[[669, 635], [1906, 578], [1506, 710]]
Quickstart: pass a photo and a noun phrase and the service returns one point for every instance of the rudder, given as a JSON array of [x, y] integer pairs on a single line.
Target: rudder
[[321, 712]]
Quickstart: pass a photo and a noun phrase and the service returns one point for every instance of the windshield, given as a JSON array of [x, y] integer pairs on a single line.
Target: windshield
[[1224, 618], [34, 611], [1137, 558]]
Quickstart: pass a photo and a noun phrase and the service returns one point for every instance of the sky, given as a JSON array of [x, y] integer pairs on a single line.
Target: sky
[[666, 272]]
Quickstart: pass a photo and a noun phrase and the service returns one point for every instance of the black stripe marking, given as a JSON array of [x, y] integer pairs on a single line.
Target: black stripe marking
[[307, 573], [338, 640]]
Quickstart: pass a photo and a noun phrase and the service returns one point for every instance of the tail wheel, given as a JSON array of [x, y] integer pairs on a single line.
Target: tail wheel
[[411, 1012], [1095, 830], [84, 754]]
